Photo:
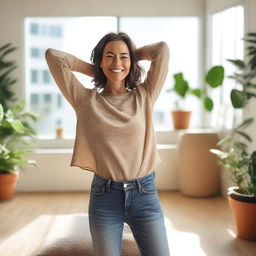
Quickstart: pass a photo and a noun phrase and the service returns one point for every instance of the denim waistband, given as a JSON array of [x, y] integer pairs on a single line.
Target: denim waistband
[[128, 184]]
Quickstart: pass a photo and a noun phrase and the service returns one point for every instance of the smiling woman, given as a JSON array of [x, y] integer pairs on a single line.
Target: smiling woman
[[116, 140]]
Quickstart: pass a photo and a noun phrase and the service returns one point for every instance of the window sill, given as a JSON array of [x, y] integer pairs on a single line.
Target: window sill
[[164, 138]]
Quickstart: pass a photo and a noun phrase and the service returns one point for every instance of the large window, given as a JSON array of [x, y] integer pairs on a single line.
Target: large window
[[80, 35], [75, 35], [227, 43]]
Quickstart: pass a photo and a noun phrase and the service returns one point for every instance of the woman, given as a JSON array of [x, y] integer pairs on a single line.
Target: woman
[[115, 139]]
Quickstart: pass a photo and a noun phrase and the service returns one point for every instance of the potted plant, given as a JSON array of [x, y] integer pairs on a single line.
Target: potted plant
[[234, 155], [242, 165], [16, 131], [214, 78]]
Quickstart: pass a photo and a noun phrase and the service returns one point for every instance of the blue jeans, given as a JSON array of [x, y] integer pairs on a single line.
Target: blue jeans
[[134, 202]]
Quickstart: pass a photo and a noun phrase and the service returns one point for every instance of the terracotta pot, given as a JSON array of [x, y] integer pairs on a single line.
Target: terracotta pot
[[59, 132], [181, 119], [7, 185], [244, 212], [198, 169]]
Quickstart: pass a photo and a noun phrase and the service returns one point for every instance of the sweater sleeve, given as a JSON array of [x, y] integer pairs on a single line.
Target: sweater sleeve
[[61, 65], [158, 54]]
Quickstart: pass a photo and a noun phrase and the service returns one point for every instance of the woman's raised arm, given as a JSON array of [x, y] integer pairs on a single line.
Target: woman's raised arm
[[61, 65], [158, 54]]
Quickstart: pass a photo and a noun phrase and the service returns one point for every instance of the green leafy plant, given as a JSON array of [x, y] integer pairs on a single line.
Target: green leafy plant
[[214, 78], [234, 155], [15, 138], [16, 132], [245, 74], [237, 160]]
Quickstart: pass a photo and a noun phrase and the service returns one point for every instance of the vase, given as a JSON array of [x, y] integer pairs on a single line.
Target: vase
[[181, 119], [7, 185]]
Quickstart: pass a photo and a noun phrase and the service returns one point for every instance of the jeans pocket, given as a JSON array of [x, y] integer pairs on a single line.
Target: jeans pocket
[[149, 187], [97, 188]]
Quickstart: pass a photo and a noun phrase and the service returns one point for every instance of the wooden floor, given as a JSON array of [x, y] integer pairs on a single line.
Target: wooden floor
[[195, 227]]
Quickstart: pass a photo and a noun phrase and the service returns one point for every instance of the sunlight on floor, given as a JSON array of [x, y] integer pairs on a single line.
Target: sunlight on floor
[[183, 243], [24, 237], [231, 232]]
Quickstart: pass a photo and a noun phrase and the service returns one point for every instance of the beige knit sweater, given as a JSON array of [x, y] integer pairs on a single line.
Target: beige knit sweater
[[115, 136]]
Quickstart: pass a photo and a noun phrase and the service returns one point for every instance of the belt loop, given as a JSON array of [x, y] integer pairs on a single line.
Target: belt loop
[[139, 185], [108, 185]]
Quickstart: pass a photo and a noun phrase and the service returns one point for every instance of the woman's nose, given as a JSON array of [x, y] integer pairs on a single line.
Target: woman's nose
[[116, 60]]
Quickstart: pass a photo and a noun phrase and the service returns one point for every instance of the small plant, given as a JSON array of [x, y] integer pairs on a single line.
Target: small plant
[[237, 160], [15, 138], [214, 78]]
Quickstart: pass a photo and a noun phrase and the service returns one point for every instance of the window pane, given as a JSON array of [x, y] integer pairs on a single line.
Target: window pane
[[34, 99], [34, 28], [184, 58], [34, 52], [63, 34], [59, 101], [227, 31], [34, 76], [47, 98], [46, 76]]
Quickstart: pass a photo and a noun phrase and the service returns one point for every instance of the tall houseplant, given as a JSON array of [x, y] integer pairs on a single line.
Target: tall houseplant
[[213, 78], [16, 131], [234, 155]]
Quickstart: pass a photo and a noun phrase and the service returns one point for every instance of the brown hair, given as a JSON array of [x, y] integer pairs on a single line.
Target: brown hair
[[136, 71]]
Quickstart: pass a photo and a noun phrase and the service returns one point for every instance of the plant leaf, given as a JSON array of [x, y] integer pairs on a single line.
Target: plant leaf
[[196, 92], [181, 86], [1, 113], [245, 123], [238, 98], [251, 34], [16, 125], [208, 104], [238, 63], [246, 136], [215, 76]]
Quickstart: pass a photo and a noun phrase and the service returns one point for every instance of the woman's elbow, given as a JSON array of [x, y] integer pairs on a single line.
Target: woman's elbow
[[49, 53], [164, 45], [164, 48]]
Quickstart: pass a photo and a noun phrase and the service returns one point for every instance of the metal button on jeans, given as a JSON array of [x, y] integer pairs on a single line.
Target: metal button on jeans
[[125, 185]]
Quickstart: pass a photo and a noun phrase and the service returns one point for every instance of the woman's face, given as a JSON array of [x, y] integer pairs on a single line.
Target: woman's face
[[116, 61]]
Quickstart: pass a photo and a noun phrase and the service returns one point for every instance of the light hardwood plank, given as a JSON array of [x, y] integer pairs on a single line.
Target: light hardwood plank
[[195, 227]]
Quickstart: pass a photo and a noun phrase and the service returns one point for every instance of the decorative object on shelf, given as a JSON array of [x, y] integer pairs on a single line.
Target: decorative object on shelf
[[214, 78], [59, 129], [234, 155], [181, 119], [198, 170], [15, 130]]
